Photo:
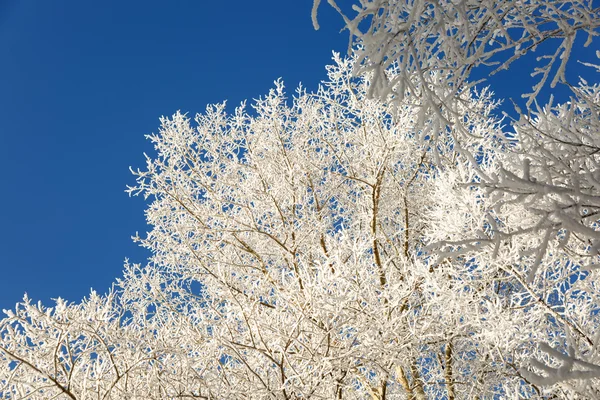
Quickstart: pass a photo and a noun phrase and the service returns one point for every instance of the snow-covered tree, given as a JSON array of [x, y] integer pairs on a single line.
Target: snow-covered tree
[[552, 172], [436, 46], [292, 259], [102, 348], [455, 38], [384, 237]]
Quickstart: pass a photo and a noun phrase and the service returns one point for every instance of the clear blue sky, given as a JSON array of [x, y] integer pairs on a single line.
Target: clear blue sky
[[82, 82]]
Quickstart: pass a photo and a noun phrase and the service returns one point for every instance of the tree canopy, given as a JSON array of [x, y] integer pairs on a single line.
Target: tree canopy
[[387, 236]]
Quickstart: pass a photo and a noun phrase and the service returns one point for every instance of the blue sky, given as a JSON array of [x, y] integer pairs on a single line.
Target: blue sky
[[83, 81]]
